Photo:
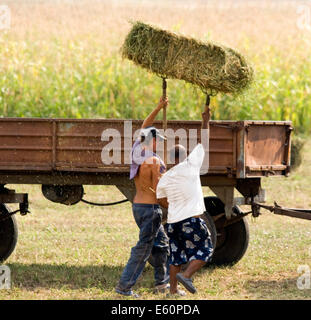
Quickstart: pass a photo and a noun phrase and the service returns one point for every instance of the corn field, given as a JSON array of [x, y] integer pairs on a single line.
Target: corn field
[[62, 59]]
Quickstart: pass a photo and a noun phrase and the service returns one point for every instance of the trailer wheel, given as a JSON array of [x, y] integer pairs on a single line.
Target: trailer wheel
[[232, 240], [211, 227], [8, 234]]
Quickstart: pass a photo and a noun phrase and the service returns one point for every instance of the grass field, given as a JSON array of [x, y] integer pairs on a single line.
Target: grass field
[[79, 252], [61, 60]]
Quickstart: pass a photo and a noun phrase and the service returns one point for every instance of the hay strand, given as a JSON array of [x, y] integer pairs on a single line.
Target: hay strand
[[212, 67], [297, 145]]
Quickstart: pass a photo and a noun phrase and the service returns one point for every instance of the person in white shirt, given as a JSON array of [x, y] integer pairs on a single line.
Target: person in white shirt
[[189, 238]]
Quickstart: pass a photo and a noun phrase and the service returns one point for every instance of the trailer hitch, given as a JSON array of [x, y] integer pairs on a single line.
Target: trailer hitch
[[276, 209], [9, 196]]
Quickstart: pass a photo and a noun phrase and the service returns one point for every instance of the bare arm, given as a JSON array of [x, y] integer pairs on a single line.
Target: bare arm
[[150, 119], [205, 120], [163, 202]]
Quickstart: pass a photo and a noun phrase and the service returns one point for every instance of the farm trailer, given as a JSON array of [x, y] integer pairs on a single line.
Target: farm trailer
[[62, 155]]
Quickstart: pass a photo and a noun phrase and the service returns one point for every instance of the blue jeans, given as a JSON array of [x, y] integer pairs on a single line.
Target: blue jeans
[[152, 240]]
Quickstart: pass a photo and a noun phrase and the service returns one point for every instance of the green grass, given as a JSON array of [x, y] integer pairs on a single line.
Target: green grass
[[79, 252]]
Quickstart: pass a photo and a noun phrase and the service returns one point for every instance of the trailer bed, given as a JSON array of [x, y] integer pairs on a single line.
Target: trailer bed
[[35, 146]]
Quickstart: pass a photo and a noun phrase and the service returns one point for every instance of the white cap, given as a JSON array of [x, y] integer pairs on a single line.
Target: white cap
[[145, 132]]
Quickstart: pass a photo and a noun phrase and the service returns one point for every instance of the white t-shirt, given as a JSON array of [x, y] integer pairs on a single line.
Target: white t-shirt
[[181, 185]]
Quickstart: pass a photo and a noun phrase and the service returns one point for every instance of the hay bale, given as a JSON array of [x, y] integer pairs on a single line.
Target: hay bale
[[297, 144], [212, 67]]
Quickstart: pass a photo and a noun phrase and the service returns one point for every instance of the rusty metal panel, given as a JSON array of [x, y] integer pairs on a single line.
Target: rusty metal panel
[[79, 145], [240, 152], [266, 149], [25, 144], [221, 148], [236, 148]]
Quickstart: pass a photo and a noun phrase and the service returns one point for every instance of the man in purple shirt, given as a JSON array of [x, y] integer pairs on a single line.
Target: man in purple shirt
[[146, 170]]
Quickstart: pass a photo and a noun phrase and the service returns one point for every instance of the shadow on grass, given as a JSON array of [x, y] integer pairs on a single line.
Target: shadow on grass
[[62, 276], [273, 289]]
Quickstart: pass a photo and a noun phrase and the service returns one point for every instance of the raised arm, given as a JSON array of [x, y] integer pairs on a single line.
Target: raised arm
[[150, 119], [205, 120]]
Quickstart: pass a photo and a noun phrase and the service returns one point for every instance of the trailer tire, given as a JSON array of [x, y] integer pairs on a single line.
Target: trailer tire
[[234, 245], [8, 234], [211, 227], [232, 240]]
